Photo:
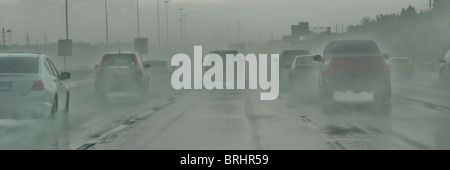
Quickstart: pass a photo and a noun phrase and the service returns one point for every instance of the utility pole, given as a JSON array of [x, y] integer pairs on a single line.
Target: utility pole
[[28, 40], [239, 31], [181, 26], [67, 22], [4, 40], [107, 28], [185, 28], [167, 23], [336, 28], [10, 36], [272, 35], [67, 34], [159, 27], [138, 21], [430, 5], [45, 42]]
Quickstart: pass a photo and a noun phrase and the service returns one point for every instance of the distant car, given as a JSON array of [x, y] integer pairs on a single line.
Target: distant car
[[158, 67], [31, 87], [286, 59], [401, 66], [303, 66], [222, 53], [121, 72], [356, 66], [444, 70]]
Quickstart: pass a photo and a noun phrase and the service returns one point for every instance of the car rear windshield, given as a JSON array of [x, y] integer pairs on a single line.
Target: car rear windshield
[[352, 47], [294, 53], [304, 60], [287, 57], [119, 59], [399, 60], [19, 65], [158, 64]]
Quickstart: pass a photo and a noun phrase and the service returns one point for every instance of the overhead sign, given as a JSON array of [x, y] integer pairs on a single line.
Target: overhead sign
[[65, 48], [141, 45]]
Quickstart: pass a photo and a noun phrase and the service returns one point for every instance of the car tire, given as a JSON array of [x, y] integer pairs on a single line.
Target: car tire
[[382, 96], [326, 100], [54, 109]]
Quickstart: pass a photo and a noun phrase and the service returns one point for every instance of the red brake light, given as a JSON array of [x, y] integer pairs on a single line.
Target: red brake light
[[331, 70], [136, 61], [385, 69], [37, 85], [295, 70], [101, 62]]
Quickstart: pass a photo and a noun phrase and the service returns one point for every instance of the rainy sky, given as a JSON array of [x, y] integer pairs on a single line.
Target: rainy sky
[[205, 19]]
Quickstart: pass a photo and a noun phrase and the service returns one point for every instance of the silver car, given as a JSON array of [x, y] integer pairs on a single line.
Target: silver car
[[31, 87]]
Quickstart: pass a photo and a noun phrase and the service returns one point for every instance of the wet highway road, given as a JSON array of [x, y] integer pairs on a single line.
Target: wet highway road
[[168, 119]]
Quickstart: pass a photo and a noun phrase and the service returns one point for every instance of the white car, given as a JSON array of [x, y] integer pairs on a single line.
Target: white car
[[31, 87]]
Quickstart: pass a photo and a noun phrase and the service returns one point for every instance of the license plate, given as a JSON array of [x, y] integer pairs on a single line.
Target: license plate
[[5, 86], [359, 81]]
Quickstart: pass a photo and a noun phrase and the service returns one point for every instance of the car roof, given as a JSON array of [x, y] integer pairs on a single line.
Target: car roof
[[121, 52], [399, 58], [355, 40], [20, 54], [304, 56]]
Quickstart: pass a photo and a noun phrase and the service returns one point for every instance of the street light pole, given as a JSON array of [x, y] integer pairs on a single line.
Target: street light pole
[[67, 34], [67, 22], [107, 29], [430, 5], [138, 21], [167, 23], [181, 26], [159, 31], [184, 25], [4, 40], [239, 31]]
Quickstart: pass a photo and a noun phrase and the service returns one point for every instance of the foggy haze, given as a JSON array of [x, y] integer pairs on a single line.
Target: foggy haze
[[206, 20]]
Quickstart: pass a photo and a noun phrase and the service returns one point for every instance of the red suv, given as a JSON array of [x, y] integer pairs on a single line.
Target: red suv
[[356, 66]]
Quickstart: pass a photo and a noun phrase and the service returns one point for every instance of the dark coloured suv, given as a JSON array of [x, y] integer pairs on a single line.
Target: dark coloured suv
[[356, 66], [121, 72]]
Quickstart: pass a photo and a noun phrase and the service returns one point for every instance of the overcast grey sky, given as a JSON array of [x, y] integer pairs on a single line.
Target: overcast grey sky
[[206, 19]]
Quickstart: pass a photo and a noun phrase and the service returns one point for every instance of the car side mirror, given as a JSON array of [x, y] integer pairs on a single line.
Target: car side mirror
[[441, 61], [317, 58], [64, 76], [386, 56]]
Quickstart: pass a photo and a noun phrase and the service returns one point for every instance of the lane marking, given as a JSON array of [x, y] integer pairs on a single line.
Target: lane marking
[[256, 136], [330, 141], [107, 135]]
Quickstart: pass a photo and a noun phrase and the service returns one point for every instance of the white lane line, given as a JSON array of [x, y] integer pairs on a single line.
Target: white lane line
[[89, 144], [328, 139]]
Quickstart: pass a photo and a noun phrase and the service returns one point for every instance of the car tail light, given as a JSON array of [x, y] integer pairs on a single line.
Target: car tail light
[[37, 85], [385, 68], [331, 70], [101, 62], [295, 70], [136, 61]]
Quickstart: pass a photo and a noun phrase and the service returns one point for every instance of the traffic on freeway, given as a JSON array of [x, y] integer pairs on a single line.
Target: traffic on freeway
[[224, 75]]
